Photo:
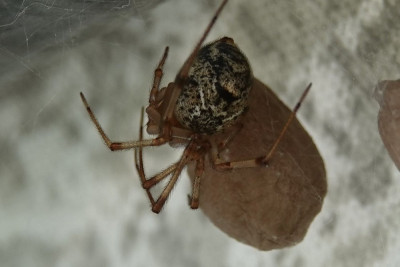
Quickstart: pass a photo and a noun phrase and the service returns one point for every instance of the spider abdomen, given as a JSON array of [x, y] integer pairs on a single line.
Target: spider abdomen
[[217, 88]]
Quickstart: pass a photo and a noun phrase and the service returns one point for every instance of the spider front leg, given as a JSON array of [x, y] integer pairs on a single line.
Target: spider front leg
[[120, 145], [154, 94], [263, 160], [156, 97], [158, 73]]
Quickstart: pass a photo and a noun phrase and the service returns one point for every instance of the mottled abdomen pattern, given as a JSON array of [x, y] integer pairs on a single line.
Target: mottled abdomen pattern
[[216, 91]]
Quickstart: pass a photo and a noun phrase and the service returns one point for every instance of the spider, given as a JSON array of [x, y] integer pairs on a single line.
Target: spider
[[208, 97]]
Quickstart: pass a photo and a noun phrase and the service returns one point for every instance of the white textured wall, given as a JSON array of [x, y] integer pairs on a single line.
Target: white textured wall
[[65, 200]]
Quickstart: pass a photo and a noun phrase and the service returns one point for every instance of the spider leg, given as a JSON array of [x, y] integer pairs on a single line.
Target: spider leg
[[158, 73], [149, 183], [186, 157], [264, 160], [194, 199], [120, 145], [183, 73], [220, 146], [181, 77], [139, 160]]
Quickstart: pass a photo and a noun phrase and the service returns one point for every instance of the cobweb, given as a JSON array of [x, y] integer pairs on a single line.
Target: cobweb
[[29, 27], [65, 200]]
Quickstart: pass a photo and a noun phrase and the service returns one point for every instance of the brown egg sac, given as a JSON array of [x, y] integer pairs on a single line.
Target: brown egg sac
[[265, 207], [387, 94]]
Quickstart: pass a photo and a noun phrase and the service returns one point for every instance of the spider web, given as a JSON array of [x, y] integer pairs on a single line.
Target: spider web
[[29, 27], [66, 200]]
